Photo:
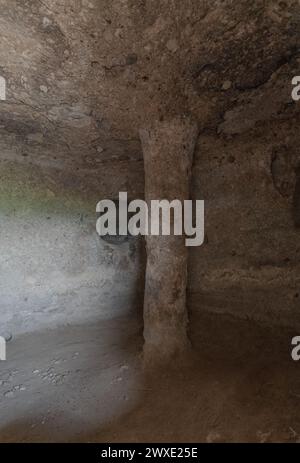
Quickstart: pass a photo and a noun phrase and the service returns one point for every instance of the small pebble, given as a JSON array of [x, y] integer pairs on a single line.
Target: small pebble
[[226, 85], [44, 89], [172, 45], [47, 22]]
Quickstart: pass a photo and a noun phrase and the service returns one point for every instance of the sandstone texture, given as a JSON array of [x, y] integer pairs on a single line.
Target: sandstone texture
[[83, 76], [168, 149]]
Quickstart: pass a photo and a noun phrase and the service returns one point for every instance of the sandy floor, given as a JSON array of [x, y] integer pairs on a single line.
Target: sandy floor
[[86, 384]]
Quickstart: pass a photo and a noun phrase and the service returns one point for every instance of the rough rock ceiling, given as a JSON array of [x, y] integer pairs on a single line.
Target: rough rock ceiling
[[84, 75]]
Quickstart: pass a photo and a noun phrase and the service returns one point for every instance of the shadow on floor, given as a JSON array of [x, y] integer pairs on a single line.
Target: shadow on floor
[[240, 385]]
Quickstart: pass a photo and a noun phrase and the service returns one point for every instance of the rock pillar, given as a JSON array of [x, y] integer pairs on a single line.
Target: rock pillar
[[168, 148]]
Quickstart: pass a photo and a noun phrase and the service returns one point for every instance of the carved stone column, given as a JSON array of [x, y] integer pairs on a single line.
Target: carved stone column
[[168, 149]]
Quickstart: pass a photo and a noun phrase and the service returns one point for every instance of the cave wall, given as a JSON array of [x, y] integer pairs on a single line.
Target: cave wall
[[249, 263], [82, 77], [55, 269]]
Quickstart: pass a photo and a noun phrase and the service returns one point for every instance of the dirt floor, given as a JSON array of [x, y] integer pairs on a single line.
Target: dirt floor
[[86, 384]]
